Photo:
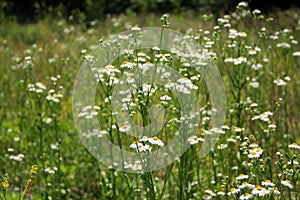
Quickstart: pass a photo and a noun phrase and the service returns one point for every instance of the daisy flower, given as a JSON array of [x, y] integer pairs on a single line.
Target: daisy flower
[[287, 183], [260, 191], [294, 146], [267, 183], [246, 196], [241, 177], [156, 141]]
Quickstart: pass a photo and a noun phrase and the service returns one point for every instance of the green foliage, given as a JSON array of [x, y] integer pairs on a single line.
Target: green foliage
[[46, 55]]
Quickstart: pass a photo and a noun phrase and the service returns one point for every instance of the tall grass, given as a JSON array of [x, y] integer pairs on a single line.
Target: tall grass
[[256, 157]]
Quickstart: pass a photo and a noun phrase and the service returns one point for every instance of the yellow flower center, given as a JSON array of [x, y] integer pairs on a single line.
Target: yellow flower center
[[155, 138], [258, 187]]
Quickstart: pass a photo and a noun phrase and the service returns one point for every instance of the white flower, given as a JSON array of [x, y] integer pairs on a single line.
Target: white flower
[[54, 146], [137, 166], [267, 183], [233, 191], [135, 145], [124, 128], [156, 141], [294, 146], [47, 120], [279, 82], [287, 183], [222, 146], [144, 139], [18, 157], [272, 126], [241, 177], [257, 66], [243, 4], [254, 84], [49, 171], [193, 140], [256, 11], [165, 98], [144, 148], [275, 191], [255, 153], [252, 52], [283, 45], [136, 28], [246, 185], [260, 191], [297, 53], [246, 196], [242, 34], [41, 85]]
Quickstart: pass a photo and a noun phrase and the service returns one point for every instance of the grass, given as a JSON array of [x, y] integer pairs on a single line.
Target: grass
[[261, 120]]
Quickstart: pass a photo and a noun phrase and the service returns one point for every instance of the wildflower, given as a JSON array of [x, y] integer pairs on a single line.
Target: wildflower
[[256, 12], [54, 146], [193, 140], [211, 193], [254, 84], [294, 146], [222, 146], [275, 191], [279, 82], [225, 127], [294, 162], [164, 21], [144, 148], [136, 28], [255, 153], [297, 53], [18, 157], [47, 120], [242, 34], [267, 183], [243, 4], [137, 166], [165, 98], [156, 141], [221, 193], [233, 191], [272, 126], [49, 170], [228, 60], [287, 183], [241, 177], [252, 52], [253, 105], [260, 191], [246, 196], [123, 37], [156, 48], [5, 183], [135, 145], [33, 173], [144, 139], [246, 185], [124, 128]]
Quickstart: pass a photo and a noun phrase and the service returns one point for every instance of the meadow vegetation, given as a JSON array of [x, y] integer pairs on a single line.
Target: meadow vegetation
[[256, 156]]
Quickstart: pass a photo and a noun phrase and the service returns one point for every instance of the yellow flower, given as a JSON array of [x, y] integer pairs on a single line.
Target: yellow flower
[[5, 183]]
